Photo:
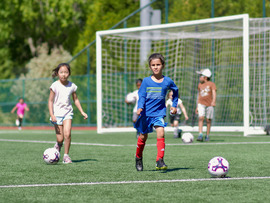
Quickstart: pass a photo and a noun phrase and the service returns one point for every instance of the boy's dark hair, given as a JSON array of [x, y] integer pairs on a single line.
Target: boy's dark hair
[[139, 80], [55, 71], [156, 56]]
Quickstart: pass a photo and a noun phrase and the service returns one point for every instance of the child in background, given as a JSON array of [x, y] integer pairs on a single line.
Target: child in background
[[60, 108], [152, 110], [21, 107], [175, 118], [206, 102], [132, 98]]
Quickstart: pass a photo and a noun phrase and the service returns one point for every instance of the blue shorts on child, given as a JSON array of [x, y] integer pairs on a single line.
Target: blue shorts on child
[[145, 124]]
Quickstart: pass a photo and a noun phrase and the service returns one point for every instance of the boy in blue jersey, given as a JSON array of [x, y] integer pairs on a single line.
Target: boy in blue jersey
[[152, 109]]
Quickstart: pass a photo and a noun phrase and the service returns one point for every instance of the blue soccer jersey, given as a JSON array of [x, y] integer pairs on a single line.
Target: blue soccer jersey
[[152, 96]]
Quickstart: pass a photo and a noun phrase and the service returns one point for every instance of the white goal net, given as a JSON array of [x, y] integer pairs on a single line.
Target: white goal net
[[234, 48]]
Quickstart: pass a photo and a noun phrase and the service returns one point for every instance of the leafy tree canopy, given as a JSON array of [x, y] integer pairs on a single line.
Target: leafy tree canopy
[[71, 24], [27, 24]]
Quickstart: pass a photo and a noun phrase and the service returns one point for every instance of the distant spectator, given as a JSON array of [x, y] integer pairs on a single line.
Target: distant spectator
[[132, 98], [21, 107]]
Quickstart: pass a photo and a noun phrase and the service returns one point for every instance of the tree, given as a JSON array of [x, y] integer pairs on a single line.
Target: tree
[[25, 25], [184, 10], [103, 14], [40, 66], [34, 85]]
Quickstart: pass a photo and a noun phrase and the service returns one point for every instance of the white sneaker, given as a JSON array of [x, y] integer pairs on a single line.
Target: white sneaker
[[19, 128], [67, 159]]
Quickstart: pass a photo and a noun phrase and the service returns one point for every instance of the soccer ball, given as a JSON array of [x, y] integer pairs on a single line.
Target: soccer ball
[[51, 156], [218, 167], [187, 138], [130, 98]]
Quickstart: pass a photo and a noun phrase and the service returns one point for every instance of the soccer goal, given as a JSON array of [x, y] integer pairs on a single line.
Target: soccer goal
[[234, 48]]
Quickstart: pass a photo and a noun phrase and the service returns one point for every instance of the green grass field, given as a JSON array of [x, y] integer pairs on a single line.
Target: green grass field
[[103, 169]]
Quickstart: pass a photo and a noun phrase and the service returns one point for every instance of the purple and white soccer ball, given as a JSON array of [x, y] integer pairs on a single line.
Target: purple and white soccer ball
[[218, 167], [187, 138], [51, 156]]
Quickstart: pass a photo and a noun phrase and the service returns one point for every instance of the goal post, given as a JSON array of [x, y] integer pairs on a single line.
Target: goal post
[[220, 44], [246, 74]]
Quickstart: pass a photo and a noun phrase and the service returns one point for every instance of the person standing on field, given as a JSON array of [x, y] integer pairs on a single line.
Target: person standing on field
[[21, 106], [152, 110], [60, 108], [206, 102], [175, 118]]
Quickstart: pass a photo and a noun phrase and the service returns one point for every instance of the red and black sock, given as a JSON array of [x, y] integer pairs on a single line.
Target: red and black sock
[[140, 147]]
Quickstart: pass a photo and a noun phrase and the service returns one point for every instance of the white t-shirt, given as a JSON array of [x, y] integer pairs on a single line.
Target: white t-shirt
[[169, 103], [62, 105]]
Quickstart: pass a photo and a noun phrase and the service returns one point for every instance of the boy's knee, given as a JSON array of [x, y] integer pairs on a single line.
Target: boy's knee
[[143, 137], [201, 118]]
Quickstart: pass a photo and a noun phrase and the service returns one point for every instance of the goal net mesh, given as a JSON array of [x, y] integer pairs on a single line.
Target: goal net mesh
[[187, 49], [259, 70]]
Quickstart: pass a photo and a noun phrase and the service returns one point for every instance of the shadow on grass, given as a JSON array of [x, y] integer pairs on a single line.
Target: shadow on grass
[[83, 160], [171, 170], [226, 177], [213, 140], [177, 169]]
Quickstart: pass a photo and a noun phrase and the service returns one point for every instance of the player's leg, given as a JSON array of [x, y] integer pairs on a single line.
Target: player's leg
[[140, 144], [201, 119], [59, 136], [20, 118], [177, 131], [139, 151], [67, 136], [208, 123], [160, 165], [209, 117], [201, 114], [144, 126]]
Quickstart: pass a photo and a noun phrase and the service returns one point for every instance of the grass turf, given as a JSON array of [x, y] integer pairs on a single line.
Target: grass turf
[[22, 164]]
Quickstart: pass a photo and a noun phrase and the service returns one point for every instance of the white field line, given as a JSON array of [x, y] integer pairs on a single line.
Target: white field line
[[118, 145], [134, 182]]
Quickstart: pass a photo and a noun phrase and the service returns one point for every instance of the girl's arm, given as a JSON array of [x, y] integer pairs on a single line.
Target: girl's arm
[[50, 106], [184, 111], [78, 104], [26, 108], [14, 108]]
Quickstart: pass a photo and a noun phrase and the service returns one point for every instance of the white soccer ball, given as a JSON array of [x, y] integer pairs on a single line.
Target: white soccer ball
[[218, 167], [130, 98], [187, 138], [51, 156]]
